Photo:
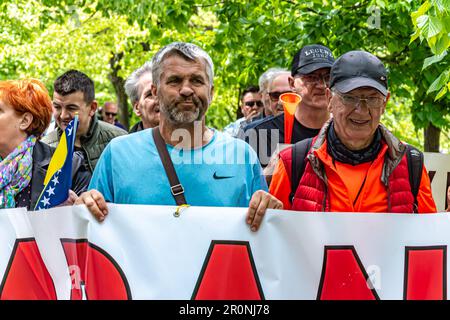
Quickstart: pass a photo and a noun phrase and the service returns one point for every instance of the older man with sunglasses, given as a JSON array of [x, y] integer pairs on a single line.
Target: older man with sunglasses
[[272, 83], [278, 83], [109, 113], [355, 164], [310, 74], [251, 107]]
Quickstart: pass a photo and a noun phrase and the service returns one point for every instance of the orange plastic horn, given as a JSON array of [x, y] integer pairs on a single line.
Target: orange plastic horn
[[290, 101]]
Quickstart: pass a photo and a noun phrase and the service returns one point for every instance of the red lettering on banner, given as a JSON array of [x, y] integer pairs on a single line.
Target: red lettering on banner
[[431, 175], [228, 273], [26, 276], [343, 276], [93, 268], [425, 273]]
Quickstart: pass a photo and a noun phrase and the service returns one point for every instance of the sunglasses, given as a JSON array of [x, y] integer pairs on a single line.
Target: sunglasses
[[275, 95], [110, 114], [250, 104]]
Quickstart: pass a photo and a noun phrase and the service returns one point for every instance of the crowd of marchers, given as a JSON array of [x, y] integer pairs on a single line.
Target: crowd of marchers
[[329, 152]]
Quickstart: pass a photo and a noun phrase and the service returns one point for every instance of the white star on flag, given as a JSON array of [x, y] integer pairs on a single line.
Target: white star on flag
[[70, 131], [50, 191], [55, 180], [46, 201]]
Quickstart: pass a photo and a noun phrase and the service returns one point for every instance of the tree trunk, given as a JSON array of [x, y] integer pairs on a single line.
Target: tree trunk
[[118, 83], [432, 135]]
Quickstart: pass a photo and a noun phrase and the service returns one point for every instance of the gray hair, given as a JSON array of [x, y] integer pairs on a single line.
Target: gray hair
[[189, 51], [265, 80], [132, 83]]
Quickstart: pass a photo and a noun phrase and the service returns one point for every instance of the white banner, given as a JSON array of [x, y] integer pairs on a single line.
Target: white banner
[[145, 252]]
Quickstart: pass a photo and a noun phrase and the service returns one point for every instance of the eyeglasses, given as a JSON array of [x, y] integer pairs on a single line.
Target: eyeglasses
[[110, 114], [250, 104], [316, 79], [275, 95], [374, 102]]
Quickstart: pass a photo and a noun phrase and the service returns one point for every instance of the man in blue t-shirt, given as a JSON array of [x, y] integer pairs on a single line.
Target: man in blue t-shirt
[[213, 168], [211, 175]]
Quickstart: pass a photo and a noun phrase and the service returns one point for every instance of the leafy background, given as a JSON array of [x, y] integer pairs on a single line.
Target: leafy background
[[108, 39]]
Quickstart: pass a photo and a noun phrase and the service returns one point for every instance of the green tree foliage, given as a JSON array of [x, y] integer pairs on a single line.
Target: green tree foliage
[[272, 32], [108, 39], [432, 25]]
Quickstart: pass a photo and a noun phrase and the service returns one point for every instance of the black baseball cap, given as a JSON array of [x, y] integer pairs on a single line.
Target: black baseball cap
[[356, 69], [311, 58]]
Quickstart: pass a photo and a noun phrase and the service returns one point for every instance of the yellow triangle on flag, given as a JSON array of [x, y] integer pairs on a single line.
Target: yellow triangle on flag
[[58, 159]]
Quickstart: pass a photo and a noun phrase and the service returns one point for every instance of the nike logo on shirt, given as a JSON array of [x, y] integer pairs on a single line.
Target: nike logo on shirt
[[215, 176]]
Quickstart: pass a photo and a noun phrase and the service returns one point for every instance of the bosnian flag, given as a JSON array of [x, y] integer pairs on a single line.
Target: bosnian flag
[[58, 179]]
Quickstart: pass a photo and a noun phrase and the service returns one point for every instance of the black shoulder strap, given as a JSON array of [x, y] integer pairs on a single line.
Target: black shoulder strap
[[415, 165], [299, 152], [176, 188]]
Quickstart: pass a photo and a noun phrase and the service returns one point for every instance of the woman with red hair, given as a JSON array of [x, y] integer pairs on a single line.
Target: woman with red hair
[[25, 113]]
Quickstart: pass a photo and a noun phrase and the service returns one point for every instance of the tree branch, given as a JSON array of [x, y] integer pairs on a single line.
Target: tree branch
[[118, 84]]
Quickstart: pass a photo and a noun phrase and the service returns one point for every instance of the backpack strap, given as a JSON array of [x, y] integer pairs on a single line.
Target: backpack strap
[[299, 152], [415, 165]]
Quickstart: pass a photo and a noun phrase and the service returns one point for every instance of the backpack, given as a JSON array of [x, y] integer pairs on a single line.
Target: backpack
[[301, 149]]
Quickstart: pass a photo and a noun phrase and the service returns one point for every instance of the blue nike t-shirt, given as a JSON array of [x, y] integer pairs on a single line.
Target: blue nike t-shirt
[[225, 172]]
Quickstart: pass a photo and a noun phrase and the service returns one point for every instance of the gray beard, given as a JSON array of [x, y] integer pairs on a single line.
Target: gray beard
[[182, 117]]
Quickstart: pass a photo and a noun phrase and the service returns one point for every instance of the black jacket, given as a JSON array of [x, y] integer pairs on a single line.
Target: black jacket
[[42, 153]]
